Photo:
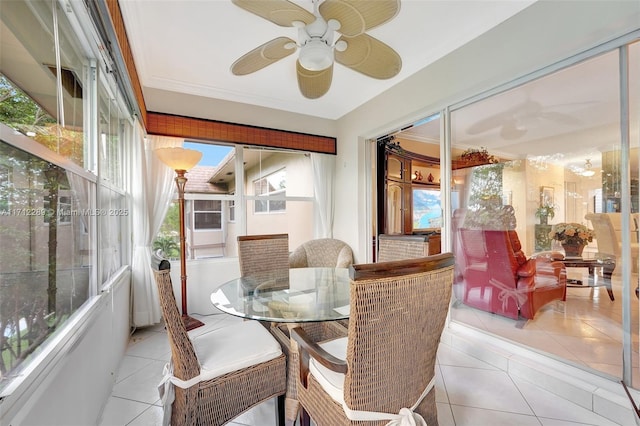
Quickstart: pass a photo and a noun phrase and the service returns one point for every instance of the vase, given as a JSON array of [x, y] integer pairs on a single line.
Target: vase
[[573, 250]]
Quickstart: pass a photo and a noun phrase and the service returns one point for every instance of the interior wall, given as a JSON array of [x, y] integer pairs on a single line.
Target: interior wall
[[511, 50]]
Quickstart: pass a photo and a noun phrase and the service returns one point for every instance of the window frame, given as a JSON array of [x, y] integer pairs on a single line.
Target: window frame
[[269, 197]]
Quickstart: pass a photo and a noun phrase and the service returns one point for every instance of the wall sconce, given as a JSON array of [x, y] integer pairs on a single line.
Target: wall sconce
[[182, 160]]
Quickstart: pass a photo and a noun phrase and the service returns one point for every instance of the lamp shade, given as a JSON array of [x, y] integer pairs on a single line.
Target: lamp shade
[[179, 158]]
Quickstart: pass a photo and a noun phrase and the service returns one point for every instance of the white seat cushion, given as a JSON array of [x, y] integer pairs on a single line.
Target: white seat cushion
[[331, 382], [233, 348]]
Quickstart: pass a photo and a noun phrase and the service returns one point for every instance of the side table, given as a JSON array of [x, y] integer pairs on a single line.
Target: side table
[[608, 264]]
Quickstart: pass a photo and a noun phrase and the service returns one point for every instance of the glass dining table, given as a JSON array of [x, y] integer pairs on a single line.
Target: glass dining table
[[294, 295]]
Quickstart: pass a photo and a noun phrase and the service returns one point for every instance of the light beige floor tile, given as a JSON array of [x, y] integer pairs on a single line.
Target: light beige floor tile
[[546, 404], [441, 391], [154, 346], [445, 416], [469, 416], [588, 349], [130, 365], [488, 389], [152, 416], [141, 386], [263, 415], [119, 412], [450, 356]]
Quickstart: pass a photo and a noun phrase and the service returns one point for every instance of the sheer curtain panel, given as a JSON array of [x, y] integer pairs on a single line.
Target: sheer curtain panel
[[152, 191], [324, 168]]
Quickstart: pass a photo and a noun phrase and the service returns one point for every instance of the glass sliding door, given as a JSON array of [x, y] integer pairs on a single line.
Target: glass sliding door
[[544, 162]]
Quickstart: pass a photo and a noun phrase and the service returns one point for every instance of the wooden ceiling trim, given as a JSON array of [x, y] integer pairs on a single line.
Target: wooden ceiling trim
[[200, 129], [127, 55], [194, 128]]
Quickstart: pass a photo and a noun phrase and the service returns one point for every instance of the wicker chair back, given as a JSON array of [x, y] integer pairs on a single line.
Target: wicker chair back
[[398, 311], [263, 253]]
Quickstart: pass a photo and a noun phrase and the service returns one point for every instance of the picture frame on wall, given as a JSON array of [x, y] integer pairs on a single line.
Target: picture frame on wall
[[546, 196]]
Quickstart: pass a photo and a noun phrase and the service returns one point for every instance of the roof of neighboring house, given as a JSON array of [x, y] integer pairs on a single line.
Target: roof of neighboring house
[[198, 181]]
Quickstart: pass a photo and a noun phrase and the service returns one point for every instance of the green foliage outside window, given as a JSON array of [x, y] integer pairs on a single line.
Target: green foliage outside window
[[168, 238]]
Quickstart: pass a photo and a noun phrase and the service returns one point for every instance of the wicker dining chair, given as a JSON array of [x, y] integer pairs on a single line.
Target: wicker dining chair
[[322, 252], [399, 247], [263, 253], [386, 364], [259, 254], [216, 376]]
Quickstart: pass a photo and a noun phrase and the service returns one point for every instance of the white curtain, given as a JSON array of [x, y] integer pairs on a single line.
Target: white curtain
[[324, 167], [153, 189]]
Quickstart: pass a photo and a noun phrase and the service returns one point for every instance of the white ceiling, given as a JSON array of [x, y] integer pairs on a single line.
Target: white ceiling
[[188, 47]]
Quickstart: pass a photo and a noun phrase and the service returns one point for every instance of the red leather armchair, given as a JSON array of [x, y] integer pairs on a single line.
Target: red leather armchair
[[497, 277]]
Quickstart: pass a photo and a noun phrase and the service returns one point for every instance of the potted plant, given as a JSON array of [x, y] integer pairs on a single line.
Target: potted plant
[[544, 213]]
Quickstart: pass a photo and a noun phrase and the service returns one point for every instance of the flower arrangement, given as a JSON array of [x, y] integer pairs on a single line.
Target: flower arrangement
[[480, 155], [572, 233]]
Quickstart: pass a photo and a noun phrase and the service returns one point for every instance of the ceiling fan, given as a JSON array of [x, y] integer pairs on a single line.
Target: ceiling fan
[[514, 122], [314, 67]]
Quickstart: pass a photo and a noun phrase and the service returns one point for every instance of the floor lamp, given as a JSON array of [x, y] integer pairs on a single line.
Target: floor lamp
[[181, 160]]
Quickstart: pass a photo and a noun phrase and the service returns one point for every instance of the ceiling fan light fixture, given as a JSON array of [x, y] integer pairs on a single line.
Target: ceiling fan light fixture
[[316, 55]]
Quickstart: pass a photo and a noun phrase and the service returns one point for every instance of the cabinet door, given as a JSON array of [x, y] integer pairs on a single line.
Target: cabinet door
[[394, 208], [398, 168], [398, 208]]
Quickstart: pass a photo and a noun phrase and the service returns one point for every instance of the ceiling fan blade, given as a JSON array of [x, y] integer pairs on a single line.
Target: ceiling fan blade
[[510, 130], [369, 56], [562, 118], [358, 16], [266, 54], [489, 123], [314, 84], [280, 12]]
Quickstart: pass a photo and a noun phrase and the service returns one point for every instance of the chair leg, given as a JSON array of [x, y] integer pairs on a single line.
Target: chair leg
[[280, 417], [305, 420]]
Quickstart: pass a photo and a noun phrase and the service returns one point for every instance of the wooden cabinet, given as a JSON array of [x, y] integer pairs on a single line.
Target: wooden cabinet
[[397, 195], [399, 172]]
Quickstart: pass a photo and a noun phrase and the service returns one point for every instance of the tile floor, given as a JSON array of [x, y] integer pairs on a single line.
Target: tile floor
[[586, 329], [469, 392]]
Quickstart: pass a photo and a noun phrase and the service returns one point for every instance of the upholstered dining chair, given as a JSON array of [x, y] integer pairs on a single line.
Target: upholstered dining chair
[[322, 252], [608, 239], [216, 376], [385, 368], [270, 252]]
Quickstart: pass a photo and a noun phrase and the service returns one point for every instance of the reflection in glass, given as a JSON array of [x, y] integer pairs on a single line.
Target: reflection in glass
[[45, 267], [543, 132]]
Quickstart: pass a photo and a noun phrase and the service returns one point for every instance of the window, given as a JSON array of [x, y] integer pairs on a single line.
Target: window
[[207, 214], [232, 210], [273, 185], [62, 211], [44, 274]]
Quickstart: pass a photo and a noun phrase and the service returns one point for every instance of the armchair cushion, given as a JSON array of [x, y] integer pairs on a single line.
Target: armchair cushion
[[528, 269], [331, 381], [233, 348]]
